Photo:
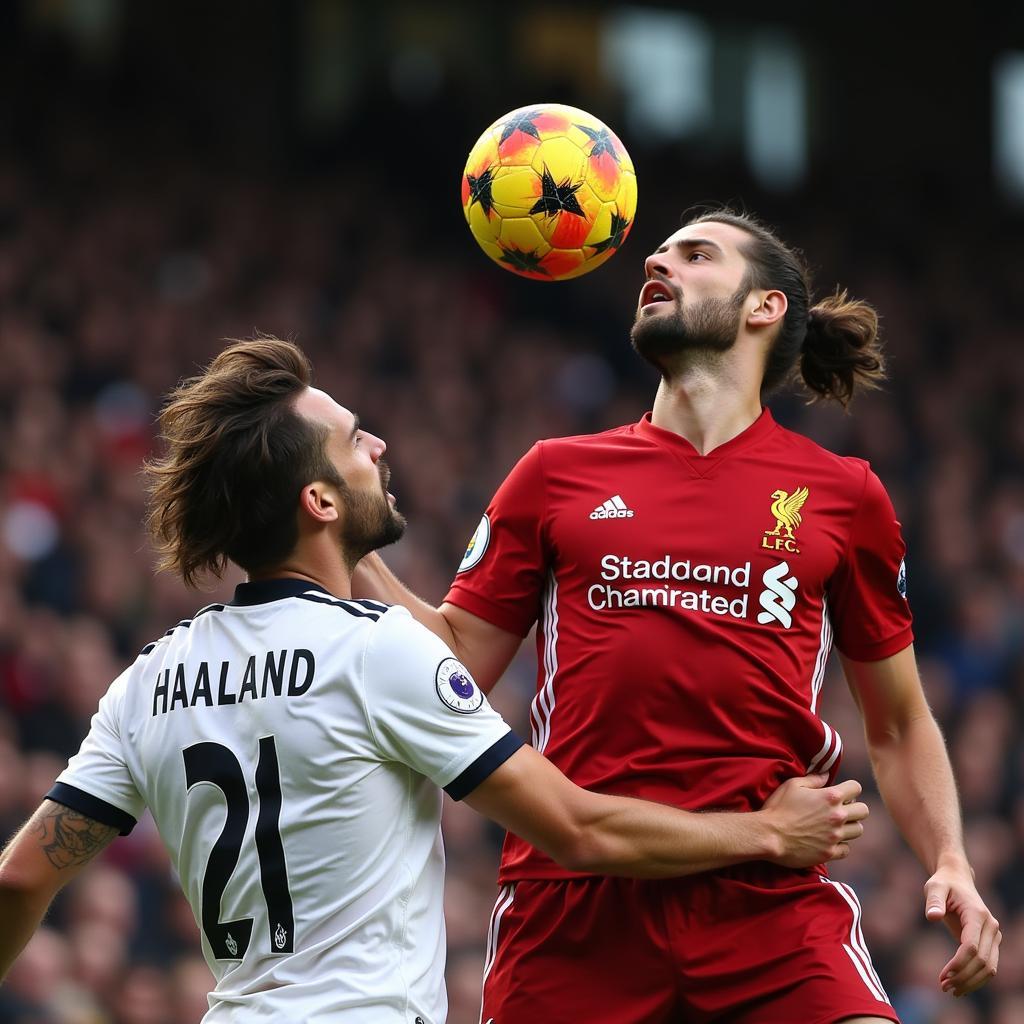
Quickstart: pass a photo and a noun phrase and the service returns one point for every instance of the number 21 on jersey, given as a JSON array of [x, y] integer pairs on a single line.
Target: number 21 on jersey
[[216, 764]]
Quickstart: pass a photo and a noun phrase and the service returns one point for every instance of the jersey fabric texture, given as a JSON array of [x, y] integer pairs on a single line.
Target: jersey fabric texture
[[290, 745], [754, 946], [686, 606]]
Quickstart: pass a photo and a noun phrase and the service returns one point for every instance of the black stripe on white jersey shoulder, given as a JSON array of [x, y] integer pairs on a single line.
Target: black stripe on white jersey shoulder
[[184, 624], [355, 608], [374, 606]]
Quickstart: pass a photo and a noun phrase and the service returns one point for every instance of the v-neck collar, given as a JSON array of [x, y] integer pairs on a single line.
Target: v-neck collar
[[699, 464]]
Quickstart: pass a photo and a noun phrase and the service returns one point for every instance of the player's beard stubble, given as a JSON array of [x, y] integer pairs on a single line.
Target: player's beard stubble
[[688, 335], [370, 521]]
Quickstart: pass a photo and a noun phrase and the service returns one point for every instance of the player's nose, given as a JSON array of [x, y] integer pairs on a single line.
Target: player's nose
[[376, 446], [655, 264]]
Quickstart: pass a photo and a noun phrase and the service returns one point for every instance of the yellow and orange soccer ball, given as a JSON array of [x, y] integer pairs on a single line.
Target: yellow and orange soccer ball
[[549, 192]]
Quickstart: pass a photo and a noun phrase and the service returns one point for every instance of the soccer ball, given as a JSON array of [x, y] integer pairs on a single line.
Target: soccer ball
[[549, 192]]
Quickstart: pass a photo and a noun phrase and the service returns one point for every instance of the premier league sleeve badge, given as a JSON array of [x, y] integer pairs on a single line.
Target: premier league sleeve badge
[[456, 688]]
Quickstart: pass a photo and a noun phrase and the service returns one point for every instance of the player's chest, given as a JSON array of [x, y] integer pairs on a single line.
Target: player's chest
[[728, 530]]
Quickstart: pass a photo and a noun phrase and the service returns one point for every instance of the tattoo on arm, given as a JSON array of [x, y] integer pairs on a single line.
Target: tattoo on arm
[[68, 838]]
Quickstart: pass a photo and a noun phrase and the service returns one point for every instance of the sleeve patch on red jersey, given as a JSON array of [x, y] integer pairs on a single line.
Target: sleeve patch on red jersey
[[901, 579], [477, 545]]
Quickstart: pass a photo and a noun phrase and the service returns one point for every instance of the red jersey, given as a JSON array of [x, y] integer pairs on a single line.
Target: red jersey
[[686, 605]]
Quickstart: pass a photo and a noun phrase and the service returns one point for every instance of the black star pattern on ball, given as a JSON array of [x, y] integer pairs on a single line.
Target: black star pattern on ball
[[603, 142], [517, 259], [521, 123], [557, 198], [619, 227], [480, 190]]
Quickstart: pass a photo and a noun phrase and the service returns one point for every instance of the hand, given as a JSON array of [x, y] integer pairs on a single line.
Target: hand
[[813, 823], [950, 896]]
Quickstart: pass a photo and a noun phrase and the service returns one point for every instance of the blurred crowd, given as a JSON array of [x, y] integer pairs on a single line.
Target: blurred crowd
[[115, 285]]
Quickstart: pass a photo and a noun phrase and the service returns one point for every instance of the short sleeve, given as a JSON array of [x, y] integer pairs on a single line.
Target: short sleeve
[[501, 578], [97, 782], [867, 594], [424, 709]]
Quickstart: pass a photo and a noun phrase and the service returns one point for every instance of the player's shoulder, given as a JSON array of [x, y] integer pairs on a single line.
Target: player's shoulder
[[397, 627], [845, 473], [399, 646], [575, 446], [614, 435], [177, 628]]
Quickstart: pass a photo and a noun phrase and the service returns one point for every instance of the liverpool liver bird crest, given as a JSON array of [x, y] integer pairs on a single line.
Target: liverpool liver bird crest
[[786, 509]]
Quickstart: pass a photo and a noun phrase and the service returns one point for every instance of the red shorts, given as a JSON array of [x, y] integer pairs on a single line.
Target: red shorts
[[750, 945]]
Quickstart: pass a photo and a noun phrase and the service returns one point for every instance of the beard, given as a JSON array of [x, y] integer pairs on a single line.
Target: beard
[[370, 521], [697, 333]]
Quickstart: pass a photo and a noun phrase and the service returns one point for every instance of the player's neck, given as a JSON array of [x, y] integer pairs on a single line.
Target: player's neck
[[707, 409], [326, 569]]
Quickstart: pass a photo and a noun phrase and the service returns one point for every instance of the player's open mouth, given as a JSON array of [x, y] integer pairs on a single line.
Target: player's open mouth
[[655, 291]]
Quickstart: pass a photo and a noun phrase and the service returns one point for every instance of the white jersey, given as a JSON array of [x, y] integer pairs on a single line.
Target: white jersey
[[290, 745]]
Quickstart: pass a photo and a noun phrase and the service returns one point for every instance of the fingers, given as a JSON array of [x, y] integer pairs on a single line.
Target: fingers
[[972, 984], [977, 959], [972, 977], [963, 958], [856, 812], [850, 831], [991, 937], [839, 852], [845, 792], [970, 942]]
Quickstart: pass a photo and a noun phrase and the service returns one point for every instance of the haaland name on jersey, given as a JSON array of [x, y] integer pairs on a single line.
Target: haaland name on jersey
[[600, 596], [262, 675]]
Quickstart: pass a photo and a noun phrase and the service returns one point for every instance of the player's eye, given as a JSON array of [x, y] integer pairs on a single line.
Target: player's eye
[[694, 255]]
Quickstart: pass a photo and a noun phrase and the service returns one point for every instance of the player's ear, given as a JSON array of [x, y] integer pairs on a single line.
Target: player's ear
[[319, 500], [766, 308]]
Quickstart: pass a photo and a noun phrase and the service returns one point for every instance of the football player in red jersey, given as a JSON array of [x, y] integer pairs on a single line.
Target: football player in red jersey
[[688, 574]]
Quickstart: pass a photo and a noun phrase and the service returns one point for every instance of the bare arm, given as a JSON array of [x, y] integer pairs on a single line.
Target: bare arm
[[51, 849], [483, 648], [915, 778], [800, 825]]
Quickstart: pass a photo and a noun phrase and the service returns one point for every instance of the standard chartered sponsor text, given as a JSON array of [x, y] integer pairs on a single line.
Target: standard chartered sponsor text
[[614, 568]]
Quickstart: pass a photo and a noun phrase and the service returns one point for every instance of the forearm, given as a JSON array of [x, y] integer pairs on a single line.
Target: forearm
[[21, 912], [642, 840], [916, 782], [51, 848], [23, 899], [801, 824], [373, 579]]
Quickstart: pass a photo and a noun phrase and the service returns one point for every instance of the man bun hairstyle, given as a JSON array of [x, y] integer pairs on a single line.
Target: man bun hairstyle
[[833, 346], [841, 350], [236, 458]]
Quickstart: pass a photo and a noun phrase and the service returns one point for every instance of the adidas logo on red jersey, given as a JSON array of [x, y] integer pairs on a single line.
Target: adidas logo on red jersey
[[612, 508]]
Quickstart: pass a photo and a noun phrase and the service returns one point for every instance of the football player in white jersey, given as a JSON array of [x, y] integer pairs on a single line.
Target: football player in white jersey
[[292, 744]]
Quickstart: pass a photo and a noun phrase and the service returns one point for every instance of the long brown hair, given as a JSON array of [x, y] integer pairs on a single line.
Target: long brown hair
[[237, 456], [835, 341]]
